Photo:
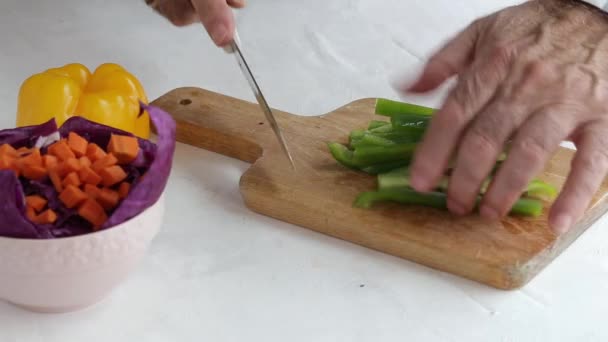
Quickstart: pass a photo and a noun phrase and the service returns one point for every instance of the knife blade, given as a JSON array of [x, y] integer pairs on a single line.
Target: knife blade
[[234, 48]]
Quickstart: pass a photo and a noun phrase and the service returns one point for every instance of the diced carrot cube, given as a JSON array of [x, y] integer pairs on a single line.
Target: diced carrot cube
[[94, 152], [34, 172], [108, 160], [22, 151], [46, 217], [91, 211], [61, 150], [88, 176], [71, 165], [49, 161], [85, 161], [71, 196], [7, 162], [108, 199], [71, 179], [125, 148], [30, 213], [56, 180], [123, 189], [36, 202], [77, 144], [91, 190], [32, 159], [8, 150], [112, 175]]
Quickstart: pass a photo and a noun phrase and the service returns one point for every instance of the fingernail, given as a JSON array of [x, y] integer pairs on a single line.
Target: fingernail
[[562, 223], [219, 33], [456, 207], [489, 213]]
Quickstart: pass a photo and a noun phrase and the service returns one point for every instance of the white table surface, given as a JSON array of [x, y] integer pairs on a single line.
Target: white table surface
[[218, 272]]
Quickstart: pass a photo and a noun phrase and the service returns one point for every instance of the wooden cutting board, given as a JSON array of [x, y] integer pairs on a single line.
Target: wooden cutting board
[[319, 194]]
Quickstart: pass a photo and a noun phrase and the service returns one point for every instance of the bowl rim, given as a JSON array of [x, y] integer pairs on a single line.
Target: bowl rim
[[102, 231]]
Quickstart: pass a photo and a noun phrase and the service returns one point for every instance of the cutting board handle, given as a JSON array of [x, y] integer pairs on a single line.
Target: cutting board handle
[[218, 123]]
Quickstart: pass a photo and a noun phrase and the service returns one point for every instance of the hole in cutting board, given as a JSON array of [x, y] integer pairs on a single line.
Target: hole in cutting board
[[261, 123], [185, 102]]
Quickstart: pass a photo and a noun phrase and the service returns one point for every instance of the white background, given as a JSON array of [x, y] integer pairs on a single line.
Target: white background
[[218, 272]]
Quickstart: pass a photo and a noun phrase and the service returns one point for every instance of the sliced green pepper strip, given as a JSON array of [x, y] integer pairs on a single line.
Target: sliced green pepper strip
[[376, 124], [382, 129], [540, 190], [342, 154], [369, 155], [524, 207], [371, 140], [383, 168], [389, 108], [405, 122], [356, 136]]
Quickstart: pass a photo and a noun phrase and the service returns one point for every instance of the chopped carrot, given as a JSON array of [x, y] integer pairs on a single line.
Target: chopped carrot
[[85, 161], [108, 199], [49, 161], [94, 152], [36, 202], [34, 172], [125, 148], [7, 162], [91, 190], [46, 217], [123, 189], [56, 180], [91, 211], [30, 213], [77, 144], [71, 196], [61, 150], [112, 175], [108, 160], [22, 151], [71, 165], [8, 150], [32, 159], [71, 179], [88, 176]]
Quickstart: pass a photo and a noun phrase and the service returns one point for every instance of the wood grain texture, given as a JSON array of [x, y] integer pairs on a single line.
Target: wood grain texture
[[319, 194]]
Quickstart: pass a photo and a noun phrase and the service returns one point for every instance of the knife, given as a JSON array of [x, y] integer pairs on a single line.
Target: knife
[[234, 48]]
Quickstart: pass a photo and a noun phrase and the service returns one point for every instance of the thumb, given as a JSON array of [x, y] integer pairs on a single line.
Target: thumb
[[217, 18], [450, 60]]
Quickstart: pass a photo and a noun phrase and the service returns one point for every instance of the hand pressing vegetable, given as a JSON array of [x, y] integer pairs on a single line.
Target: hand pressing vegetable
[[110, 96], [81, 177], [386, 149], [534, 73]]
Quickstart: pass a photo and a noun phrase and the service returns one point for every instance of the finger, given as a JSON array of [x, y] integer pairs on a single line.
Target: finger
[[532, 147], [589, 168], [217, 18], [450, 60], [473, 91], [485, 139], [236, 3]]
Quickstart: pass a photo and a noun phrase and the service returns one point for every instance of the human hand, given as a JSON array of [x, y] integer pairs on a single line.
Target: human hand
[[215, 15], [534, 75]]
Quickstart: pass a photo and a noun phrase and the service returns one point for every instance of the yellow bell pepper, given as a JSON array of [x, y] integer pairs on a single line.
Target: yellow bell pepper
[[109, 96]]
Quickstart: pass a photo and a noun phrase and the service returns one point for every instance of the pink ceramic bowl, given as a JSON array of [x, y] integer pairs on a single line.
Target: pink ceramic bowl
[[69, 274]]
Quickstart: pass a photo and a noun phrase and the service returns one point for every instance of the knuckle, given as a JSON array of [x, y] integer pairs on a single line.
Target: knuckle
[[537, 72], [481, 142], [532, 149], [501, 55]]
